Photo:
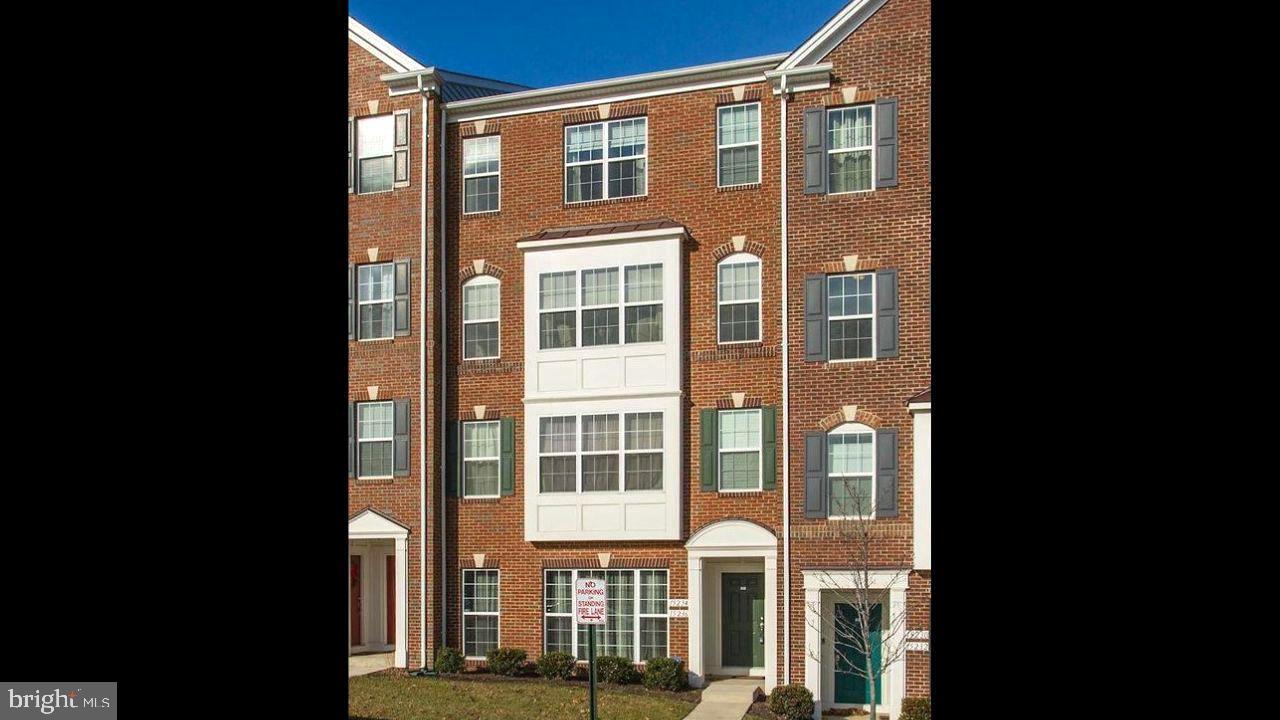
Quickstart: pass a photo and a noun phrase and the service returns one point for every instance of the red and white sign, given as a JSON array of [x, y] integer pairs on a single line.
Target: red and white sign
[[590, 598]]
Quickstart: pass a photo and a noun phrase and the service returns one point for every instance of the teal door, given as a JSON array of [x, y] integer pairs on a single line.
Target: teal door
[[742, 620], [851, 687]]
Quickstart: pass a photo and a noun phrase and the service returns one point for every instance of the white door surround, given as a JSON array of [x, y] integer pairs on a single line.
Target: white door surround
[[819, 665], [370, 525], [722, 547]]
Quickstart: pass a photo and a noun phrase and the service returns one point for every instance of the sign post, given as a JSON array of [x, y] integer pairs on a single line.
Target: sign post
[[590, 601]]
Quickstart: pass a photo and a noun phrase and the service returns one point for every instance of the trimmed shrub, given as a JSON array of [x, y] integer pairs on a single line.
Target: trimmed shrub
[[614, 669], [557, 665], [915, 709], [505, 661], [791, 702], [665, 673], [449, 661]]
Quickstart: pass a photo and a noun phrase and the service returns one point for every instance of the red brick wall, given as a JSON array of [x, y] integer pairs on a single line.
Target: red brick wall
[[887, 56], [390, 222]]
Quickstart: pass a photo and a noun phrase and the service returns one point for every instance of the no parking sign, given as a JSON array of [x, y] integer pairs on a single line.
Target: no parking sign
[[590, 600]]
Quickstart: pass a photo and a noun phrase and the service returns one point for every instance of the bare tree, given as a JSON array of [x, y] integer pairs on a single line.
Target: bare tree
[[858, 638]]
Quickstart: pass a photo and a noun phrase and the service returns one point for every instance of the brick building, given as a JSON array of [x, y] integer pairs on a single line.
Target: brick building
[[633, 343]]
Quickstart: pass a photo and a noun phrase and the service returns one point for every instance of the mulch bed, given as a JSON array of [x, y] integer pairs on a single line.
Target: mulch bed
[[761, 709], [691, 696]]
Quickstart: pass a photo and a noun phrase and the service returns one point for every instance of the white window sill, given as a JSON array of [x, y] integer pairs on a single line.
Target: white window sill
[[740, 490], [851, 360], [481, 497], [482, 212], [375, 477], [755, 183], [852, 192], [376, 192], [604, 199], [474, 359], [369, 340], [738, 342]]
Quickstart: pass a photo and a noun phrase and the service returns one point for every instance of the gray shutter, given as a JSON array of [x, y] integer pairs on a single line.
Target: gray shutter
[[452, 453], [401, 160], [887, 472], [707, 423], [402, 297], [351, 301], [887, 313], [351, 154], [815, 317], [508, 455], [815, 151], [815, 474], [769, 453], [886, 142], [351, 440], [400, 430]]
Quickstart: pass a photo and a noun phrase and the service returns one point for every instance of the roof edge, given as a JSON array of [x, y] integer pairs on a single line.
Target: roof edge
[[832, 33], [389, 54]]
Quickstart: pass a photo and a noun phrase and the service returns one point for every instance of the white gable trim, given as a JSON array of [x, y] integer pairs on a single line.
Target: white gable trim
[[832, 34], [389, 54], [372, 524]]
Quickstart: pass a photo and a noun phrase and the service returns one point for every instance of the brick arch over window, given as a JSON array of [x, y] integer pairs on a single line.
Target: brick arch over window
[[850, 413], [479, 267], [730, 248]]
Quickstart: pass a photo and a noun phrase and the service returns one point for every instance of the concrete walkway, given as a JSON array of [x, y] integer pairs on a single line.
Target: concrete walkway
[[727, 699], [365, 664]]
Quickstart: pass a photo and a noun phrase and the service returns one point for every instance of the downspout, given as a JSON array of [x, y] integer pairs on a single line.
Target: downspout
[[422, 383], [444, 384], [786, 407]]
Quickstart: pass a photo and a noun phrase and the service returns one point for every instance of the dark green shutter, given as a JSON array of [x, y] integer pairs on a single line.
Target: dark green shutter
[[508, 456], [815, 317], [815, 151], [887, 472], [768, 459], [886, 142], [351, 301], [402, 297], [886, 313], [452, 462], [815, 474], [400, 445], [351, 439], [708, 423]]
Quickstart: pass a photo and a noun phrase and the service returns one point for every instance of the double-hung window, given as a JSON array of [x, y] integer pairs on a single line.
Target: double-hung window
[[481, 443], [851, 149], [738, 298], [558, 454], [600, 307], [375, 428], [481, 174], [375, 145], [850, 469], [480, 612], [599, 453], [739, 448], [643, 445], [481, 297], [377, 301], [851, 316], [557, 310], [636, 615], [606, 160], [738, 144], [643, 306]]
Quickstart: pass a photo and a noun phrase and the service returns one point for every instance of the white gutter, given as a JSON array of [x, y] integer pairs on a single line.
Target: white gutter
[[786, 407], [422, 388], [444, 386]]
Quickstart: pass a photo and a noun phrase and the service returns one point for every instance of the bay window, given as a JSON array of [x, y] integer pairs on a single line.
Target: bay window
[[644, 303], [599, 305], [609, 446]]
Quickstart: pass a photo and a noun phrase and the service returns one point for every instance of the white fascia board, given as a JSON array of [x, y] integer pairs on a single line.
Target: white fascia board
[[411, 82], [847, 580], [389, 54], [810, 77], [832, 34], [920, 406], [599, 239], [629, 87]]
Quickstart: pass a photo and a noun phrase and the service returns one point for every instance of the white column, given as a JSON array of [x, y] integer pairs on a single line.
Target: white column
[[813, 647], [897, 671], [771, 621], [347, 590], [696, 671], [922, 491], [402, 603]]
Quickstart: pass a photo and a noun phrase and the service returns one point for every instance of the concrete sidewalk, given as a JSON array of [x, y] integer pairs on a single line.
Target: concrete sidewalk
[[727, 699], [365, 664]]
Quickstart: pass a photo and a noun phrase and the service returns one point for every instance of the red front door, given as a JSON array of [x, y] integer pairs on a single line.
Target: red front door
[[391, 599], [356, 639]]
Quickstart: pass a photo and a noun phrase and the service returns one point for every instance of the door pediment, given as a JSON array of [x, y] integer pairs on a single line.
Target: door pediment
[[370, 523]]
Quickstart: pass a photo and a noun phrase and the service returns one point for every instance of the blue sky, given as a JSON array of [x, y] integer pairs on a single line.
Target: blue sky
[[553, 42]]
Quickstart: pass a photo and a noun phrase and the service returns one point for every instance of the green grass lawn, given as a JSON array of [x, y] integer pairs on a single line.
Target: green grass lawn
[[395, 696]]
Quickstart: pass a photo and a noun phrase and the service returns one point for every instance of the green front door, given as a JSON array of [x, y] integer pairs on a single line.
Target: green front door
[[851, 687], [742, 620]]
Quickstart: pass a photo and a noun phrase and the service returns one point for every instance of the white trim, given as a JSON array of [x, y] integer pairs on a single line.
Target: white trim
[[384, 51], [663, 82], [462, 604], [422, 393], [759, 142], [480, 280], [735, 259], [920, 406], [599, 239], [832, 33], [786, 393]]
